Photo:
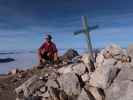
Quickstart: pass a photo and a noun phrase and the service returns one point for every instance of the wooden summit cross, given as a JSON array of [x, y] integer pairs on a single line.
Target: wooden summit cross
[[86, 31]]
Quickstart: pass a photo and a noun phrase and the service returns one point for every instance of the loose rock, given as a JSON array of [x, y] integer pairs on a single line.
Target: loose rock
[[103, 76], [84, 96], [70, 84]]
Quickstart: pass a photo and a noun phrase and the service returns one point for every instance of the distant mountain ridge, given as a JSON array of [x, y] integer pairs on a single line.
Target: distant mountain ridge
[[34, 51]]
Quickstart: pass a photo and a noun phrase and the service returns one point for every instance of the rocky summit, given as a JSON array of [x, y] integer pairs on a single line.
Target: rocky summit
[[111, 78]]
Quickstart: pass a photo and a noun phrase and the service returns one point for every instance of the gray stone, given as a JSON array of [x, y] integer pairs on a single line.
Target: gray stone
[[99, 60], [54, 94], [125, 74], [43, 89], [34, 86], [103, 76], [86, 58], [45, 95], [85, 77], [29, 86], [108, 62], [33, 98], [121, 65], [52, 83], [70, 54], [120, 91], [122, 87], [53, 75], [79, 68], [37, 93], [114, 49], [117, 57], [95, 93], [130, 50], [66, 69], [70, 84], [76, 59], [84, 96]]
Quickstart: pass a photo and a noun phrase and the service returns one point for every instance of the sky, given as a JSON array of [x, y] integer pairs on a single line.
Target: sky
[[24, 23]]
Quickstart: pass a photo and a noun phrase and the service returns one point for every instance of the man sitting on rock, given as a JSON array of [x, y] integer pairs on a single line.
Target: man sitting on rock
[[47, 52]]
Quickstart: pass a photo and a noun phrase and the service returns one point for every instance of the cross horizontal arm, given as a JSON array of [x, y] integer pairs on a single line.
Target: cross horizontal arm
[[93, 27], [79, 32], [83, 31]]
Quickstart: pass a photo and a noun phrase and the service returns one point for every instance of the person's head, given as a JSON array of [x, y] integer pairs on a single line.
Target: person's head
[[48, 38]]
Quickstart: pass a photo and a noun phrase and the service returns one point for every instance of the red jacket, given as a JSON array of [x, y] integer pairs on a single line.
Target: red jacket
[[49, 48]]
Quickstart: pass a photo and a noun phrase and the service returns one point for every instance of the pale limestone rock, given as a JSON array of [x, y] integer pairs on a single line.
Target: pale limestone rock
[[103, 76], [130, 50], [122, 87], [120, 91], [66, 69], [69, 82], [79, 68], [99, 60], [85, 77], [114, 49], [52, 84], [30, 86], [45, 95], [110, 61], [43, 89], [96, 94], [86, 58], [84, 95]]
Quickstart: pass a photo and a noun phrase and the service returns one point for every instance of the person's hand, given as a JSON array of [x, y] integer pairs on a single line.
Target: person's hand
[[55, 57], [42, 51]]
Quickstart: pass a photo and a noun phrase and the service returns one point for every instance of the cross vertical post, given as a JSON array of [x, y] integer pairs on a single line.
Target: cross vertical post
[[88, 38], [86, 30]]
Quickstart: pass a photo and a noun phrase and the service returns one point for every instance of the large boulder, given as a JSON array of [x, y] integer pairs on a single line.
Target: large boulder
[[126, 73], [52, 84], [84, 96], [85, 77], [79, 68], [95, 92], [103, 76], [90, 93], [110, 61], [70, 54], [122, 87], [113, 49], [130, 50], [70, 84], [66, 69], [30, 86], [86, 58], [99, 60]]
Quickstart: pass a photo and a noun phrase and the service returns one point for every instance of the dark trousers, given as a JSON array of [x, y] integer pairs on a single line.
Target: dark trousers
[[46, 58]]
